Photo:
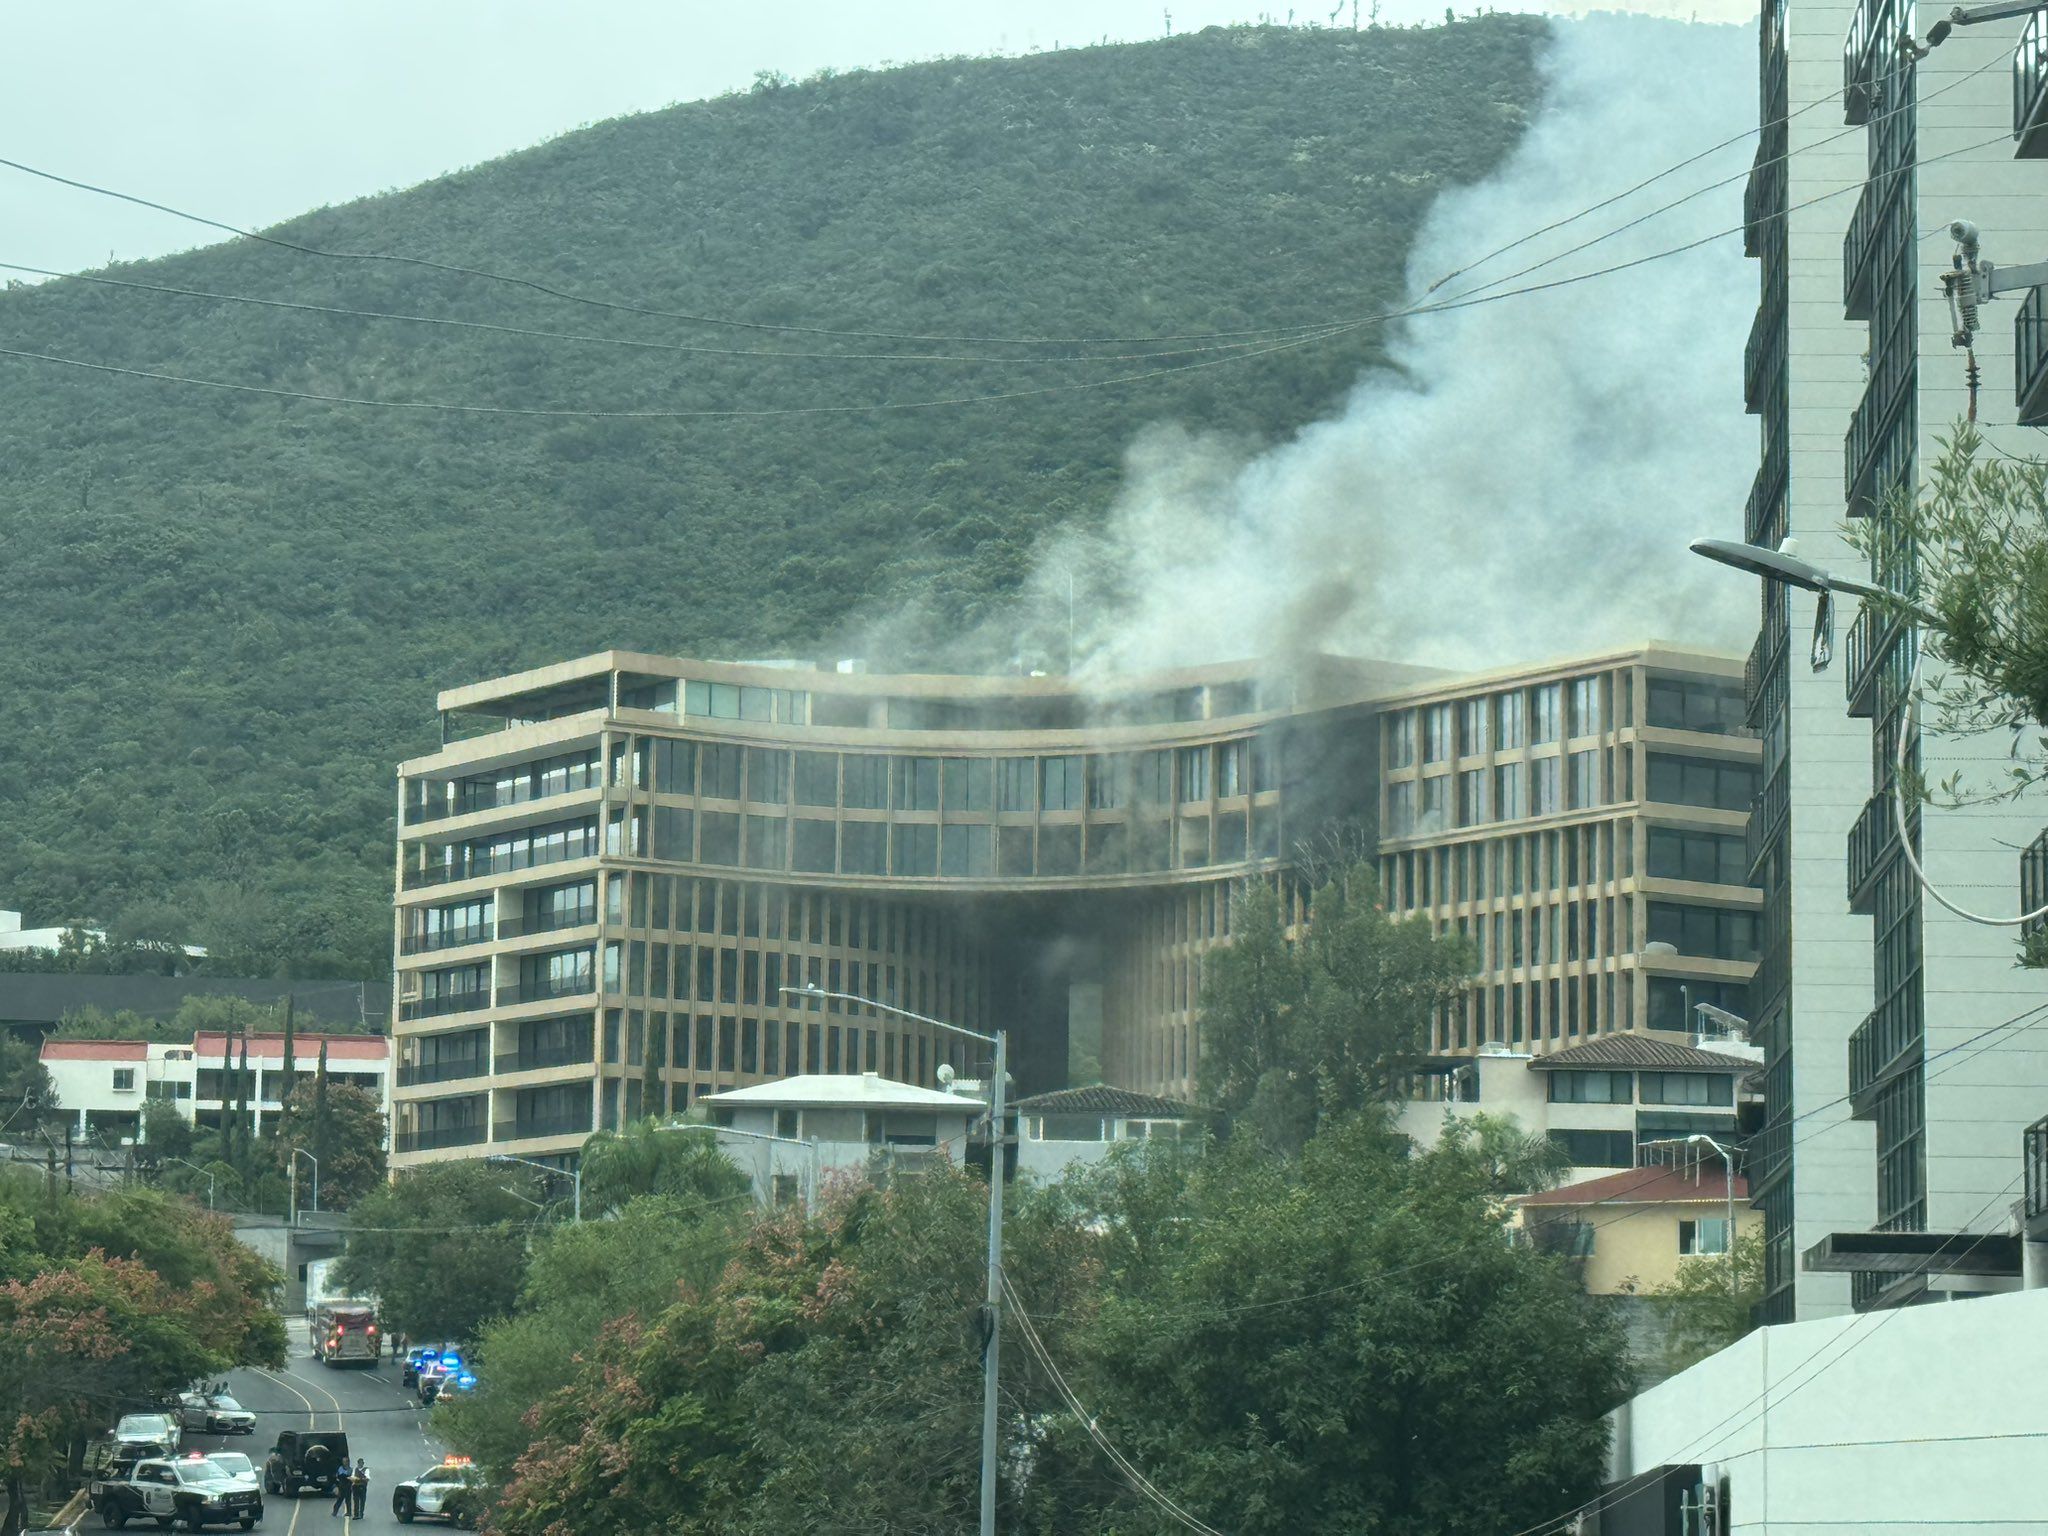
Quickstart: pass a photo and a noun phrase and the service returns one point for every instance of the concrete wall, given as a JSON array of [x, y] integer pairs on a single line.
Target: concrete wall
[[1910, 1423]]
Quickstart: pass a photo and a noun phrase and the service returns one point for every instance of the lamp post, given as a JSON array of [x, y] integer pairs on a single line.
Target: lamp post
[[1701, 1139], [297, 1153], [197, 1169], [810, 1146], [991, 1348], [575, 1176]]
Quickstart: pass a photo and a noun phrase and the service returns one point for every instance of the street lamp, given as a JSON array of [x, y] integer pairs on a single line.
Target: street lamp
[[197, 1169], [1784, 565], [991, 1347], [297, 1153], [811, 1146], [575, 1177], [1701, 1139]]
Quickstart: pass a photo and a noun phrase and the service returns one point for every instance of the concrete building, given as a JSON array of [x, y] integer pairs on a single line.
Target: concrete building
[[1602, 1101], [1072, 1127], [1628, 1232], [631, 854], [792, 1135], [1865, 997], [104, 1084]]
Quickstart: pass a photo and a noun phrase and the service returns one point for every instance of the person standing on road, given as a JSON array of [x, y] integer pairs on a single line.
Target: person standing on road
[[342, 1488], [362, 1487]]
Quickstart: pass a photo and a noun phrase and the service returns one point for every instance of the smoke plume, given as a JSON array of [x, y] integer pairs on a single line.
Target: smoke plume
[[1522, 481]]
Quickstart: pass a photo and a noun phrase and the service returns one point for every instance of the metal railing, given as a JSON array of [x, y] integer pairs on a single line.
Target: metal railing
[[1870, 637], [520, 925], [477, 798], [412, 1075], [1860, 243], [543, 988], [1859, 68], [444, 938], [1882, 1044], [1761, 509], [2034, 883], [438, 1136], [1757, 670], [1763, 197], [1872, 842], [2034, 1151], [2030, 89], [2030, 359], [444, 1003], [577, 1055], [1890, 377], [527, 1127], [498, 864], [1766, 814]]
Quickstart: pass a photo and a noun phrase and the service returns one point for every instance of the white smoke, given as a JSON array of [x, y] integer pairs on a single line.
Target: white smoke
[[1523, 480]]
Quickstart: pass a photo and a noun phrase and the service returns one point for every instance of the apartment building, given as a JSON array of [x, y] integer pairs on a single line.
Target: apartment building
[[1582, 825], [615, 867], [104, 1084], [1866, 997]]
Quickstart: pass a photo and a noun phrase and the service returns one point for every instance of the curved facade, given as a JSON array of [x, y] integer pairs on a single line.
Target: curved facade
[[614, 866]]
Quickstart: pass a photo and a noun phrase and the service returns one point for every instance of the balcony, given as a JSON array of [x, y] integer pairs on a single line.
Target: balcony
[[531, 1127], [488, 864], [1764, 356], [545, 988], [523, 925], [1757, 671], [444, 938], [2030, 89], [1763, 197], [1767, 815], [1859, 66], [471, 798], [410, 1076], [2030, 360], [2034, 1152], [1891, 380], [1870, 641], [2034, 888], [444, 1003], [1859, 245], [580, 1055], [1872, 843], [1768, 1153], [438, 1136], [1885, 1044], [1760, 522]]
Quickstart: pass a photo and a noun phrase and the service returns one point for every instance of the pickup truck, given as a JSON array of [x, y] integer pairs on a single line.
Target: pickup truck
[[190, 1491], [304, 1458]]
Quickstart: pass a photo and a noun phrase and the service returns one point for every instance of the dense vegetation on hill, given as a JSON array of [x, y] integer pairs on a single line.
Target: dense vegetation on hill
[[223, 617]]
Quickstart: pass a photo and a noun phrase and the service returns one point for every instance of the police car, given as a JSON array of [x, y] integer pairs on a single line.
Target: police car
[[439, 1381], [191, 1491], [452, 1491]]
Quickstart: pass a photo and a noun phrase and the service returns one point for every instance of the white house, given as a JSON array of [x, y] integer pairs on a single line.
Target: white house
[[1057, 1130], [792, 1134], [103, 1084]]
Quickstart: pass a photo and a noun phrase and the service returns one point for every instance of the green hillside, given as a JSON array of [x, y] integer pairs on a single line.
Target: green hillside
[[223, 617]]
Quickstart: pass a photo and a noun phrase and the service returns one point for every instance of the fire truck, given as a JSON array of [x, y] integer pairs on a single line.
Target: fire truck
[[345, 1333]]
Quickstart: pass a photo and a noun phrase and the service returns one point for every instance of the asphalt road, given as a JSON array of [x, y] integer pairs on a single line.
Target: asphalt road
[[386, 1427]]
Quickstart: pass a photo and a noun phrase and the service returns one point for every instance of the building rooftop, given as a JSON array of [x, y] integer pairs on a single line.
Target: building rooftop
[[1661, 1185], [305, 1047], [867, 1090], [1104, 1100], [1635, 1049], [95, 1050]]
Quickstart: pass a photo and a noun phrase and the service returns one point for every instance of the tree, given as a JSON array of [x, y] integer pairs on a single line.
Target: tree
[[1294, 1034], [444, 1251], [1702, 1314], [25, 1084], [290, 1073], [685, 1166], [165, 1132], [349, 1124]]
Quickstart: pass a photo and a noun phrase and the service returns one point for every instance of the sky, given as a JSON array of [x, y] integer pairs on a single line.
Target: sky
[[251, 111]]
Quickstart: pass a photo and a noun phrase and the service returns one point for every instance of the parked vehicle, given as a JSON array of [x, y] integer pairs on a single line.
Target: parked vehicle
[[416, 1357], [190, 1491], [452, 1491], [304, 1458], [215, 1413], [149, 1433], [439, 1381], [345, 1333], [237, 1466]]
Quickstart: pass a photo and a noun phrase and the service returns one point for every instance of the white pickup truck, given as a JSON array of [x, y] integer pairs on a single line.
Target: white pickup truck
[[190, 1491]]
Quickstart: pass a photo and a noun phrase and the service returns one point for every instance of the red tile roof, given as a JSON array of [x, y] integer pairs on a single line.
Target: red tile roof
[[1660, 1185], [1632, 1049], [207, 1045], [95, 1050]]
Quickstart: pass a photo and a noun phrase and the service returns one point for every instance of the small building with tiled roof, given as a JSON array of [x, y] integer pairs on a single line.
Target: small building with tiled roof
[[1641, 1050], [1070, 1126], [1632, 1230]]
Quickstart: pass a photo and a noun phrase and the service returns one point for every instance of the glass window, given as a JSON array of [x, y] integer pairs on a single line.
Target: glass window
[[1473, 720], [867, 781], [1436, 733], [1587, 717], [675, 767], [1193, 764], [1585, 780], [1472, 797], [1510, 722], [1709, 1234], [1544, 710], [813, 849], [1716, 1088], [1435, 815], [1014, 788], [1597, 1149], [1400, 734], [968, 783], [1543, 796], [1231, 778], [1401, 808], [719, 775], [917, 849], [720, 841], [817, 778], [1589, 1087], [1675, 780], [1507, 791], [1060, 783], [967, 852], [767, 841], [861, 848], [767, 776], [917, 783]]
